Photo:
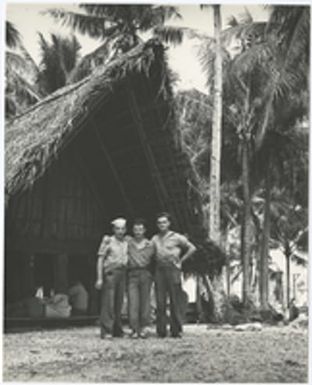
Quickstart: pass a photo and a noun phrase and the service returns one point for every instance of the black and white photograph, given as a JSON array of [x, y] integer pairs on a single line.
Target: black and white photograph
[[155, 192]]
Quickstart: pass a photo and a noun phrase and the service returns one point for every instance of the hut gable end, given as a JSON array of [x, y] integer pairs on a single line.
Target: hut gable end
[[105, 146]]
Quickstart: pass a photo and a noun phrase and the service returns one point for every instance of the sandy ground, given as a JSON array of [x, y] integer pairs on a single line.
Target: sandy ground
[[275, 354]]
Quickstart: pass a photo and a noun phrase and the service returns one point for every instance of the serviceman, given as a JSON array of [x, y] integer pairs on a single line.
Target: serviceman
[[172, 249], [111, 278], [140, 253]]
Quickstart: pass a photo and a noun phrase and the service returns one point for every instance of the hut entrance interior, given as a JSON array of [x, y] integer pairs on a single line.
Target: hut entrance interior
[[107, 169]]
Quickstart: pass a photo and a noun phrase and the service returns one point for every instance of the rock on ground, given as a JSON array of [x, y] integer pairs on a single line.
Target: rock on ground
[[275, 354]]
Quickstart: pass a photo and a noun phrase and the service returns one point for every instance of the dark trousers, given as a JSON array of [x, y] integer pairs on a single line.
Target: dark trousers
[[139, 295], [168, 283], [112, 300]]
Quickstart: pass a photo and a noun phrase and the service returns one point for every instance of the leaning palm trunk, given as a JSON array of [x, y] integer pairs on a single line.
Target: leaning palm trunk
[[246, 224], [264, 256]]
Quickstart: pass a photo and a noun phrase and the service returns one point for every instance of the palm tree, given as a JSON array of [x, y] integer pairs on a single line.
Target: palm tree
[[283, 70], [27, 83], [290, 27], [289, 227], [215, 163], [247, 84], [120, 25], [58, 59], [214, 55], [20, 74], [240, 99]]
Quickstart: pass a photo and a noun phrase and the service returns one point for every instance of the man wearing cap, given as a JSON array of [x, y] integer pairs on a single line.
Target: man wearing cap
[[172, 249], [111, 278]]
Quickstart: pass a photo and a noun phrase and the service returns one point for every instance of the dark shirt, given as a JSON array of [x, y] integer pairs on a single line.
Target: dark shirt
[[140, 255]]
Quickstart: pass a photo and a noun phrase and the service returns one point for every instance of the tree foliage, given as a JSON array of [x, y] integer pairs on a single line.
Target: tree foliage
[[58, 59], [122, 25]]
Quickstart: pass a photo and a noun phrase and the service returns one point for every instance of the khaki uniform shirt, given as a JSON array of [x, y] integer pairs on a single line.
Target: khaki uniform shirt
[[115, 253], [169, 248], [140, 256]]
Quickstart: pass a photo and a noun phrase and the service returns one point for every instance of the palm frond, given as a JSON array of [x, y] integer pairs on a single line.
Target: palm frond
[[246, 17], [58, 59], [14, 60], [87, 64], [22, 63], [156, 16], [20, 86], [170, 34], [169, 12], [106, 11], [207, 54], [91, 25], [12, 36], [289, 59], [232, 21]]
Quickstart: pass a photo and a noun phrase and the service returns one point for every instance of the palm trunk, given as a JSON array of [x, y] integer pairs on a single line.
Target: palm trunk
[[264, 257], [246, 224], [287, 255], [214, 217], [215, 164]]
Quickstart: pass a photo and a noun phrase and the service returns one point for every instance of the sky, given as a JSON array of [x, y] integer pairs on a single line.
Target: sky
[[29, 20]]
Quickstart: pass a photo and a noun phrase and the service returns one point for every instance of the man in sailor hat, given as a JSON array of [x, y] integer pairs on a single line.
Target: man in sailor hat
[[111, 278]]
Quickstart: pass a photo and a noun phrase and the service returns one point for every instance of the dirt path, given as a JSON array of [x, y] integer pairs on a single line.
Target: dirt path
[[270, 355]]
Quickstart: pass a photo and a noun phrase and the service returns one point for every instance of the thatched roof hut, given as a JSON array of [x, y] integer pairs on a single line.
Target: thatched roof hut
[[102, 147]]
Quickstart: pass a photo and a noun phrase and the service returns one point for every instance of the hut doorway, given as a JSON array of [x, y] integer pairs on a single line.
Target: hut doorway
[[44, 272], [82, 268]]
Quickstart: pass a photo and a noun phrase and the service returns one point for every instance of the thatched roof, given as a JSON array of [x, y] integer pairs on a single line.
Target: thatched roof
[[34, 138], [87, 64]]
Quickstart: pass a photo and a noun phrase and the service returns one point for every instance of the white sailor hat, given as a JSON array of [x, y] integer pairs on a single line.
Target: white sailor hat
[[120, 222]]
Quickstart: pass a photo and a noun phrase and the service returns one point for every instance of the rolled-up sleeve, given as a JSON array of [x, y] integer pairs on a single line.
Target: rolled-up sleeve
[[104, 246]]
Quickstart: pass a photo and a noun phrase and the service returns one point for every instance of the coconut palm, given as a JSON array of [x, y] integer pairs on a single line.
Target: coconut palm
[[261, 78], [59, 57], [289, 228], [249, 84], [289, 65], [20, 74], [246, 33], [121, 25], [26, 82], [216, 56]]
